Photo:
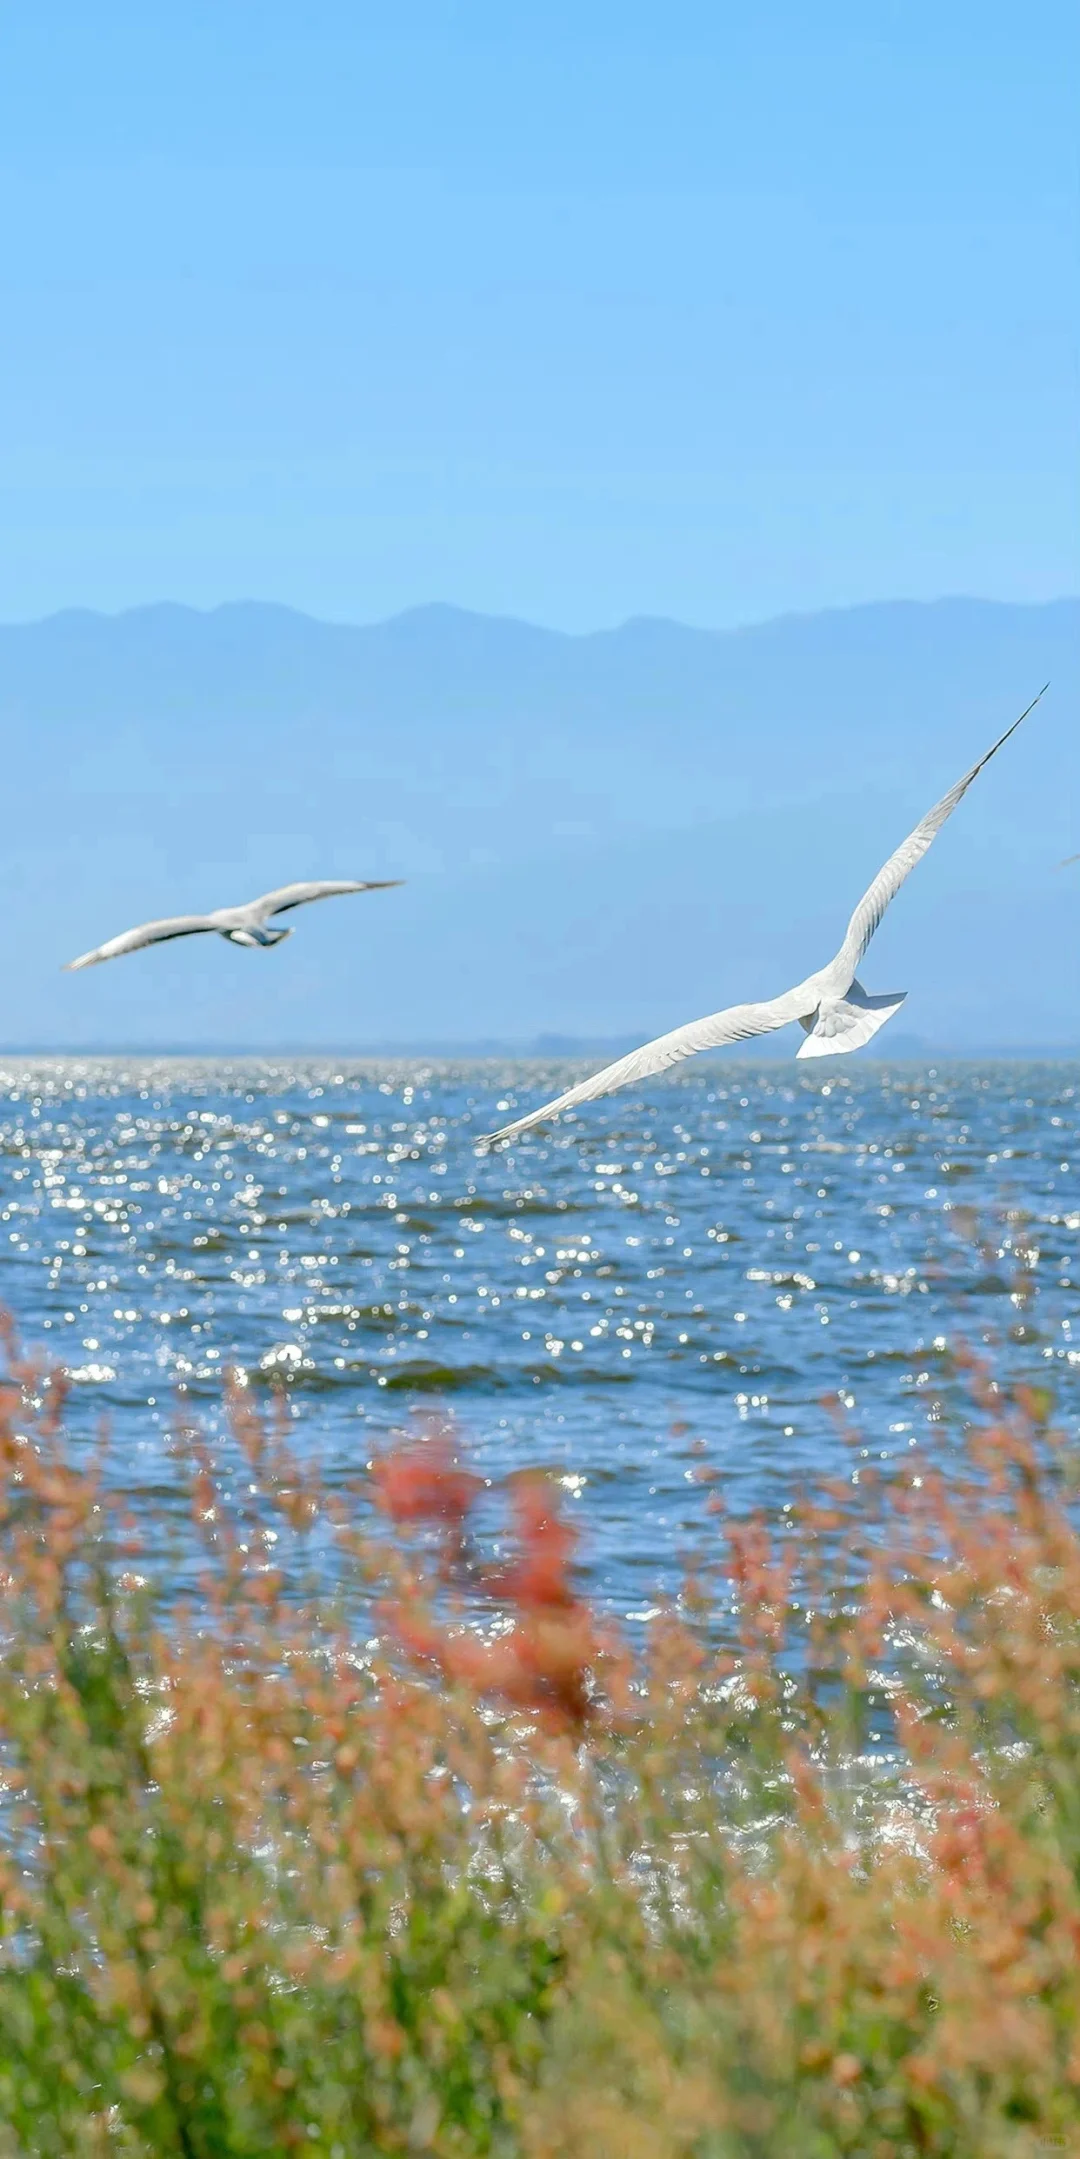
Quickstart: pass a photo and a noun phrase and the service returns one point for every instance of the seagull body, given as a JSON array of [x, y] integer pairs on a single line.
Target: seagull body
[[247, 925], [831, 1006]]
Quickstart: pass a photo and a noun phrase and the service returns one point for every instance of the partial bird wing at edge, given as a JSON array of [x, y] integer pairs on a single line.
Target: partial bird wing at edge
[[148, 933], [888, 881], [736, 1024], [320, 888]]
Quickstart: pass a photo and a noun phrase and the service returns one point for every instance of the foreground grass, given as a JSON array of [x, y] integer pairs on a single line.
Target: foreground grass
[[475, 1878]]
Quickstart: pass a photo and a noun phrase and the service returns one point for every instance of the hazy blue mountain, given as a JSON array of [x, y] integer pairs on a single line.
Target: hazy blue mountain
[[600, 834]]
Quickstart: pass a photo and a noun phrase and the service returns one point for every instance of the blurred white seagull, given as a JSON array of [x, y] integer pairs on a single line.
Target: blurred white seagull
[[831, 1006], [246, 925]]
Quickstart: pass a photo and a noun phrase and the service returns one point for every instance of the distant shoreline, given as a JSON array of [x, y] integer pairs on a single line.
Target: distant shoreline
[[543, 1050]]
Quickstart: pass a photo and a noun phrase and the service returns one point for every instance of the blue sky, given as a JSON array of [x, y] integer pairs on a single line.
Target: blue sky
[[571, 312]]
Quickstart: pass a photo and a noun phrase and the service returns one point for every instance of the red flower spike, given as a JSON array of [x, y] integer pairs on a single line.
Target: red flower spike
[[422, 1482]]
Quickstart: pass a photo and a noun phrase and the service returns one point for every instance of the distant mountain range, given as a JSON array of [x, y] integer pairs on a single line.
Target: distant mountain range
[[602, 835]]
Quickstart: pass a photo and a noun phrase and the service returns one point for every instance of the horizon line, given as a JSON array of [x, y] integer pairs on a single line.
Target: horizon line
[[474, 614], [536, 1050]]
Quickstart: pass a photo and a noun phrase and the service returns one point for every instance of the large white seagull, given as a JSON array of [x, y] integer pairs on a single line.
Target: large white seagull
[[832, 1005]]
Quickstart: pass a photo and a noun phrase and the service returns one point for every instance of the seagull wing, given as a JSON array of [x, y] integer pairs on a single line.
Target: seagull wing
[[888, 881], [318, 888], [148, 933], [736, 1024]]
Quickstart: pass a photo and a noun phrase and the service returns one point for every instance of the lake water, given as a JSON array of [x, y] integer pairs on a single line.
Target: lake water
[[700, 1261]]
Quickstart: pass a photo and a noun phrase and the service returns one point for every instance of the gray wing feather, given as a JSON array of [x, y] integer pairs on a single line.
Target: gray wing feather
[[318, 888], [736, 1024], [148, 933], [888, 881]]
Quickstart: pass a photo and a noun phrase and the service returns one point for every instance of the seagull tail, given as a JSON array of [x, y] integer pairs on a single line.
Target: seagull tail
[[258, 935], [845, 1023]]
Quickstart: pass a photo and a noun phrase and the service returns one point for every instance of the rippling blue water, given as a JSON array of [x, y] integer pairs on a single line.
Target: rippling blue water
[[701, 1260]]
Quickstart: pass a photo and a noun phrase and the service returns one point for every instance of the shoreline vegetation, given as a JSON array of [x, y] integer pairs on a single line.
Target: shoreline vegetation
[[442, 1862]]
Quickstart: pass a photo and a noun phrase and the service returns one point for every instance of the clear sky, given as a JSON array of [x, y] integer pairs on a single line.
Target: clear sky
[[576, 311]]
